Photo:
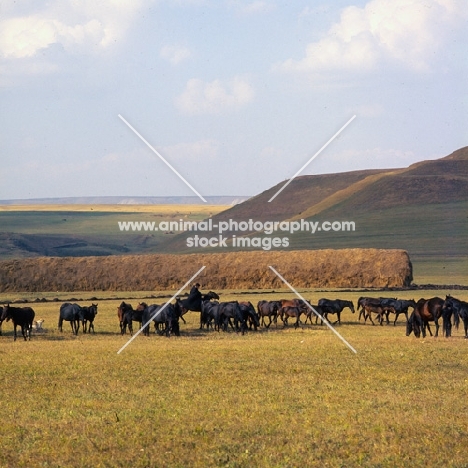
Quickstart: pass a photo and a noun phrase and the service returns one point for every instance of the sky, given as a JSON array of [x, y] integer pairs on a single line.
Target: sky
[[236, 95]]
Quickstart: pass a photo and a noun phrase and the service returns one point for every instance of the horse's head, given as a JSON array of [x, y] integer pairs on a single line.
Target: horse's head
[[6, 313], [351, 306], [93, 308]]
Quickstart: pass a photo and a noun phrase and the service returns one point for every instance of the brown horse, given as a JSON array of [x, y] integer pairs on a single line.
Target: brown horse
[[268, 309], [430, 310]]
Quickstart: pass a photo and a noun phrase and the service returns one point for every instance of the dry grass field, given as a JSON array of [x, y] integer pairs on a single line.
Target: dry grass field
[[272, 398]]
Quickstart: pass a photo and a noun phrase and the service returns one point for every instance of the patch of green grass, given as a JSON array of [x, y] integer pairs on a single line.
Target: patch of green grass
[[275, 398]]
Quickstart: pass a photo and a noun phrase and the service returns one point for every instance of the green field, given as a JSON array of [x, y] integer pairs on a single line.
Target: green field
[[274, 398]]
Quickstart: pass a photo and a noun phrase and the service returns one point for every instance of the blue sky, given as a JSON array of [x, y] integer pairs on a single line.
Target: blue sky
[[236, 95]]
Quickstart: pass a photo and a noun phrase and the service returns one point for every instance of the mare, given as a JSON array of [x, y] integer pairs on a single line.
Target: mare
[[430, 310], [310, 312], [362, 301], [291, 311], [88, 314], [165, 318], [249, 315], [127, 315], [209, 314], [22, 316], [71, 313], [334, 306], [228, 311], [268, 309], [459, 309], [397, 306]]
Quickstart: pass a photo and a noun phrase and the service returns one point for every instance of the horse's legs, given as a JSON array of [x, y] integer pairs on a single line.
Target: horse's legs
[[14, 331]]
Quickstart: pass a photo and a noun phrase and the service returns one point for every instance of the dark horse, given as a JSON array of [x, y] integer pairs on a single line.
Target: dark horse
[[228, 311], [249, 315], [165, 318], [459, 309], [335, 306], [127, 316], [71, 313], [88, 314], [429, 310], [185, 305], [22, 316]]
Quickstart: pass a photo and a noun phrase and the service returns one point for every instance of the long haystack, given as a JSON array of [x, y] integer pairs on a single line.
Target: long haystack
[[349, 268]]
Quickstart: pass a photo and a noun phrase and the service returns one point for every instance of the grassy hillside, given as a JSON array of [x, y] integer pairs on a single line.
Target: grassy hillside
[[83, 230]]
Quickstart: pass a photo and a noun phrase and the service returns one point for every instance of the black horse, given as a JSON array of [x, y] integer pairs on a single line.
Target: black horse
[[127, 315], [185, 305], [249, 315], [396, 306], [71, 313], [22, 316], [458, 309], [209, 315], [231, 311], [334, 306], [165, 318], [88, 314]]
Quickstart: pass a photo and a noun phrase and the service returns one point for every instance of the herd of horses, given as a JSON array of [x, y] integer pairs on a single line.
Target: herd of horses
[[243, 316]]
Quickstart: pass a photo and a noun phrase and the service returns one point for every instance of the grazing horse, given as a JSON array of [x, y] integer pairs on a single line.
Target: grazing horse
[[249, 314], [22, 316], [209, 314], [71, 313], [335, 306], [268, 309], [185, 305], [430, 310], [88, 314], [459, 309], [228, 311]]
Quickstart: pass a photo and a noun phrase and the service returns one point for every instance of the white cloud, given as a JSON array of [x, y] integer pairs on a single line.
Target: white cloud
[[397, 30], [214, 97], [83, 25], [174, 53]]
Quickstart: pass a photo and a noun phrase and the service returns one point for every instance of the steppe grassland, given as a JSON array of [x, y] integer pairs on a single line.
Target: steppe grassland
[[281, 397]]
